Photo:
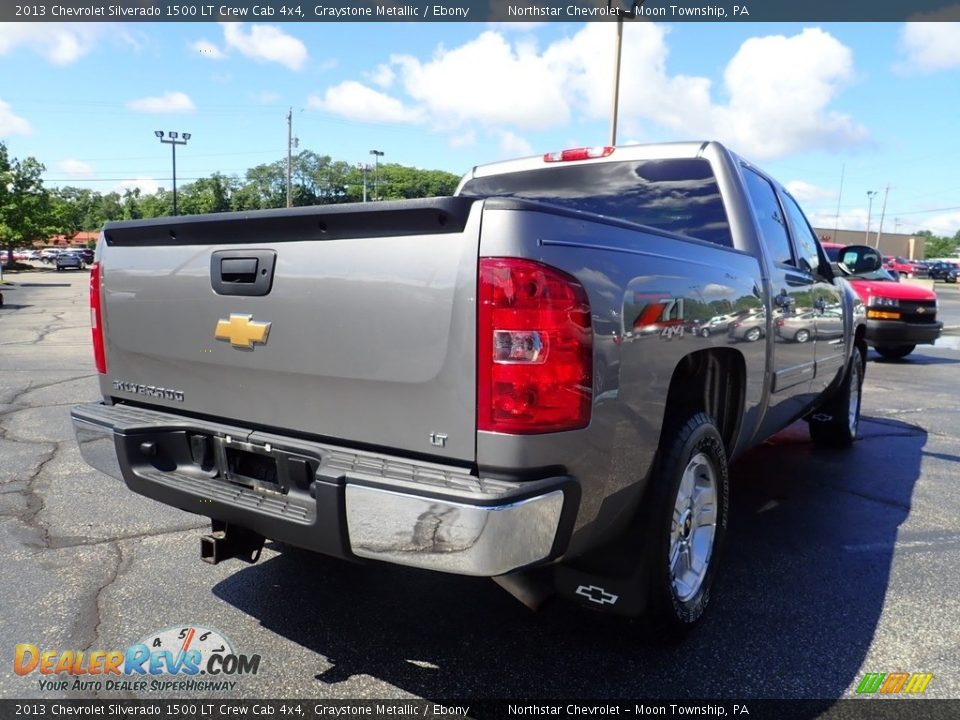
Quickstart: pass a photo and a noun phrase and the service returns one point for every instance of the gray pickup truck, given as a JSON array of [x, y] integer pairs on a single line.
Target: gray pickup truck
[[511, 382]]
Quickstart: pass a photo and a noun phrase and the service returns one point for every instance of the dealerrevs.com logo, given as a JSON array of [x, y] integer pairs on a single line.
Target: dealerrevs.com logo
[[176, 659]]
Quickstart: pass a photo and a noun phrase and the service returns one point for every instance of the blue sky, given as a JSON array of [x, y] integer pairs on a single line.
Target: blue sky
[[805, 101]]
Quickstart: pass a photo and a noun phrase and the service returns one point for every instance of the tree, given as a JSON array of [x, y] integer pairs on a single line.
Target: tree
[[26, 211], [207, 195]]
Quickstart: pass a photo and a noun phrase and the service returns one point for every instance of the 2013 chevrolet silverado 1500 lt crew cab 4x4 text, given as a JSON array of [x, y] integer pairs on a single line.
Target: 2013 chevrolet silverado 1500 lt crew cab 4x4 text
[[509, 382]]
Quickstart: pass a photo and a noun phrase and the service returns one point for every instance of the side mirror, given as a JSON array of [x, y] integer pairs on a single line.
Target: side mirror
[[858, 259]]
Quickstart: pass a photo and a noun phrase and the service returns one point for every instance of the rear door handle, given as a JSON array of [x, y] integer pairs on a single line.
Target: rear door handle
[[238, 270]]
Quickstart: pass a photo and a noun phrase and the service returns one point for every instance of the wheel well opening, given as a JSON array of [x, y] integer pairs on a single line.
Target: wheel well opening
[[712, 382]]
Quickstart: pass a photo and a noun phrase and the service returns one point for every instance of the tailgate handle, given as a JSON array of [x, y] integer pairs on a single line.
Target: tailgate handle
[[242, 272], [238, 270]]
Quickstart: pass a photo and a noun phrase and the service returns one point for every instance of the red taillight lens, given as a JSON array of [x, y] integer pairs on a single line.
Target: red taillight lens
[[535, 349], [96, 319], [584, 153]]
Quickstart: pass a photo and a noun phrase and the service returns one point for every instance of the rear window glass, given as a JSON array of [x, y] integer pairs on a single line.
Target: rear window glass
[[679, 195]]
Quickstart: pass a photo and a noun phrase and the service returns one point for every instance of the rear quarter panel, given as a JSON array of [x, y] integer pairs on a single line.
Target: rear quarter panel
[[625, 272]]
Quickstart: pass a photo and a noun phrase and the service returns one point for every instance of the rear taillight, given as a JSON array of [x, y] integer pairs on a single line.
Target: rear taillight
[[535, 349], [96, 319]]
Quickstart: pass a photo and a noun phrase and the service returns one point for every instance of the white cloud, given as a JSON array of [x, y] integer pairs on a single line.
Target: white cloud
[[267, 43], [929, 46], [59, 43], [464, 139], [774, 98], [804, 192], [512, 145], [777, 89], [171, 102], [148, 186], [11, 123], [487, 80], [945, 225], [355, 101], [208, 50], [75, 168], [383, 76]]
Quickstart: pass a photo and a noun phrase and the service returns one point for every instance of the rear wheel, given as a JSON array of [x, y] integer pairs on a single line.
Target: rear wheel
[[837, 422], [753, 334], [895, 352], [686, 523], [802, 336]]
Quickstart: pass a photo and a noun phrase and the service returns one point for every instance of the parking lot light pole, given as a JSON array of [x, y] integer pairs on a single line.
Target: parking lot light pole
[[377, 154], [173, 139]]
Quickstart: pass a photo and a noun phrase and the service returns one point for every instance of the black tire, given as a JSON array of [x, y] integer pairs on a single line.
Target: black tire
[[669, 613], [753, 334], [802, 335], [895, 352], [832, 425], [705, 332]]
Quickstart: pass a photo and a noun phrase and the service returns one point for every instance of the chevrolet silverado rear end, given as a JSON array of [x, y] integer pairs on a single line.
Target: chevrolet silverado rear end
[[498, 384]]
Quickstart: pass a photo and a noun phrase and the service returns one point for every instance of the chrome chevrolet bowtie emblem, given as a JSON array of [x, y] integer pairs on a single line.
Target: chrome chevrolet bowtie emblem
[[921, 310], [242, 331], [597, 595]]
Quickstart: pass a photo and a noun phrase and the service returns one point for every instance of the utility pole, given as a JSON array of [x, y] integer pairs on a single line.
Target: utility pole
[[870, 194], [363, 167], [886, 191], [292, 143], [836, 224]]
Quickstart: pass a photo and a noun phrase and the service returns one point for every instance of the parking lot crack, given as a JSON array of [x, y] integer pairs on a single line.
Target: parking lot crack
[[15, 399], [34, 500], [82, 541], [94, 613]]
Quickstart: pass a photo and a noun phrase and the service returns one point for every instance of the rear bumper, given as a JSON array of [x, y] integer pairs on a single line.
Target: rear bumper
[[895, 332], [332, 500]]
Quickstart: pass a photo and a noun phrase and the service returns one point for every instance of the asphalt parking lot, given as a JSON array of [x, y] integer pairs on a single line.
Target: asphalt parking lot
[[838, 564]]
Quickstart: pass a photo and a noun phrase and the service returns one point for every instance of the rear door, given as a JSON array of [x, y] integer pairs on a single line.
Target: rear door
[[354, 323], [792, 295]]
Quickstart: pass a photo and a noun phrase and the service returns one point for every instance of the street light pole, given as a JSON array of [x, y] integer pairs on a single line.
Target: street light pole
[[618, 47], [870, 194], [377, 154], [173, 139]]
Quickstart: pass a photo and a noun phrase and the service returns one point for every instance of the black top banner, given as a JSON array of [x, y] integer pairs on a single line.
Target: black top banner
[[483, 11]]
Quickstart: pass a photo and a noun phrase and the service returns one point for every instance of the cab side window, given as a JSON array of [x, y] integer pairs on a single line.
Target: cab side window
[[803, 235], [773, 226]]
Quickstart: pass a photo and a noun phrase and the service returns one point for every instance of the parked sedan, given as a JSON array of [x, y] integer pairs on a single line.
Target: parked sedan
[[70, 260], [750, 328]]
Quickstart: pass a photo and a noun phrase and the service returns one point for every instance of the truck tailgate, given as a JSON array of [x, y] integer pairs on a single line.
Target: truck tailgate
[[371, 312]]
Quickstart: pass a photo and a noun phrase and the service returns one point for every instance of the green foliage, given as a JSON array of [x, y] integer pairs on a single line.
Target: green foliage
[[29, 212], [936, 246]]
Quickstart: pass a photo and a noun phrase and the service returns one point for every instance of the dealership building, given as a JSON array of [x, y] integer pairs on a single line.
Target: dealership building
[[908, 246]]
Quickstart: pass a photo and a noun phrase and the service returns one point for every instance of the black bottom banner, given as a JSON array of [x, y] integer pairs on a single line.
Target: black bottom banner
[[852, 709]]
